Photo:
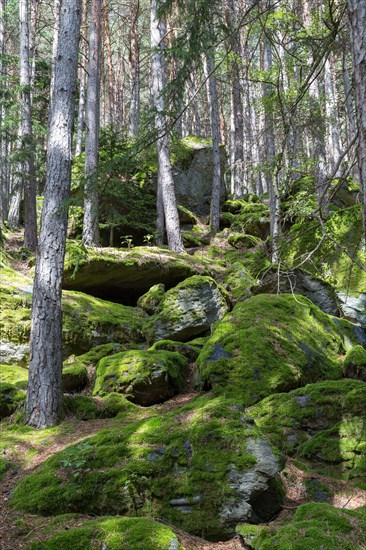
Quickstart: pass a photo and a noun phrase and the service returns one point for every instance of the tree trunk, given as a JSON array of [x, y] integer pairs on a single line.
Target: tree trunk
[[165, 170], [56, 33], [4, 188], [26, 134], [91, 194], [357, 21], [108, 52], [134, 59], [215, 132], [44, 393], [82, 88]]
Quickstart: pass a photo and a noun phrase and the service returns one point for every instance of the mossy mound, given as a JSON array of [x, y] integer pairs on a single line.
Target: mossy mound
[[316, 526], [74, 377], [95, 354], [151, 301], [238, 281], [191, 467], [187, 310], [322, 423], [145, 377], [124, 275], [84, 407], [87, 321], [344, 228], [269, 344], [112, 533], [189, 351], [241, 241], [10, 398], [354, 365], [12, 374]]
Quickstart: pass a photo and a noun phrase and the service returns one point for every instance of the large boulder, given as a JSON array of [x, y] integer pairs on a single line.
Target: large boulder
[[323, 424], [299, 282], [187, 310], [203, 468], [145, 377], [123, 275], [87, 321], [273, 343], [193, 171], [353, 306]]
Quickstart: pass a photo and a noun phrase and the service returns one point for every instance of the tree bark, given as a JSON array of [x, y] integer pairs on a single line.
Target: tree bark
[[215, 132], [26, 133], [134, 59], [357, 23], [91, 193], [165, 170], [44, 393], [82, 88]]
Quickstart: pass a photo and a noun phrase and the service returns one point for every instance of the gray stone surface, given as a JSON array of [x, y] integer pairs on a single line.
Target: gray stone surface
[[353, 307], [187, 311], [14, 354]]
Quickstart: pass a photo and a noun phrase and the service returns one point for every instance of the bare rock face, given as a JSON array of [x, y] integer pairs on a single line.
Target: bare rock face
[[187, 311]]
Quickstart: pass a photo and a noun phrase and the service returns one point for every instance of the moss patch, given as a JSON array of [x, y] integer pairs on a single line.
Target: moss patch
[[323, 424], [15, 375], [145, 377], [113, 534], [173, 466], [269, 344], [317, 526], [10, 398]]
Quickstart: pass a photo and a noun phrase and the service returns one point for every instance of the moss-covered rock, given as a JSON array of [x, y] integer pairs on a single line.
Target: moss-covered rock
[[269, 344], [318, 526], [238, 281], [145, 377], [85, 407], [74, 377], [95, 354], [12, 374], [322, 423], [151, 301], [241, 241], [188, 310], [87, 321], [124, 275], [10, 398], [189, 351], [192, 467], [111, 533], [354, 365]]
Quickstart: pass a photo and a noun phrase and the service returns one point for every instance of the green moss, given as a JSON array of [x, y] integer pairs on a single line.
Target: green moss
[[74, 377], [356, 356], [3, 466], [239, 281], [151, 301], [93, 356], [268, 344], [323, 423], [187, 350], [137, 469], [329, 261], [127, 371], [10, 398], [316, 526], [14, 375], [113, 534], [243, 241]]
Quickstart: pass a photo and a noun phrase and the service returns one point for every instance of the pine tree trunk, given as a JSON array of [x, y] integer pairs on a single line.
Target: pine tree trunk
[[215, 132], [26, 134], [108, 52], [4, 190], [91, 193], [165, 170], [56, 33], [44, 393], [134, 60], [82, 88]]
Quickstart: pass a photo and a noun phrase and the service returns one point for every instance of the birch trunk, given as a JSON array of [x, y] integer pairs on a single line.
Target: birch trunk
[[26, 133], [357, 23], [44, 393], [92, 117], [166, 182]]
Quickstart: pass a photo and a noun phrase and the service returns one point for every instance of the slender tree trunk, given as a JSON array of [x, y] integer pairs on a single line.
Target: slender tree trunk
[[134, 60], [91, 194], [4, 188], [108, 52], [334, 147], [26, 134], [270, 148], [215, 132], [56, 32], [357, 22], [165, 170], [44, 393], [82, 89]]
